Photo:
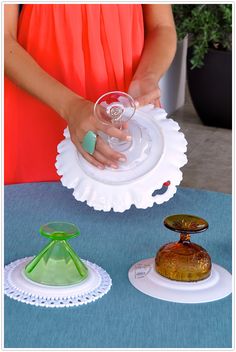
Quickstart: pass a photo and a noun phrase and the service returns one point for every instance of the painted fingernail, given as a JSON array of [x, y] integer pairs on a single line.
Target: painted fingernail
[[122, 159], [114, 166], [128, 138]]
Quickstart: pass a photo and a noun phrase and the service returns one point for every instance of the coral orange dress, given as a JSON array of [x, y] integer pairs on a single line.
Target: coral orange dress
[[92, 49]]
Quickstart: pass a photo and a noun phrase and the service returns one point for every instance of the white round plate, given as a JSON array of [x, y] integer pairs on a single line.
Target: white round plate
[[20, 288], [162, 156], [144, 278]]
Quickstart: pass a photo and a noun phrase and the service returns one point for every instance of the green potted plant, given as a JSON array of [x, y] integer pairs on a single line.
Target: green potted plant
[[209, 59]]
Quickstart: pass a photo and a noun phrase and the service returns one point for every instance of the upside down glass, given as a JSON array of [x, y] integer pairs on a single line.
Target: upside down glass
[[57, 264], [184, 260], [117, 109]]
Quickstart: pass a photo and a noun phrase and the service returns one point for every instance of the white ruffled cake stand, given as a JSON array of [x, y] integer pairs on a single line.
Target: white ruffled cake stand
[[119, 189]]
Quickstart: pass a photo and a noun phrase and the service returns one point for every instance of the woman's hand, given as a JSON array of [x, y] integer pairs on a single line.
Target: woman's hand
[[80, 118], [158, 53], [145, 91]]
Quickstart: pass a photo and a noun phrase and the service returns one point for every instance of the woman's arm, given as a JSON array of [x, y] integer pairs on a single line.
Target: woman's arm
[[158, 53], [160, 41], [24, 71]]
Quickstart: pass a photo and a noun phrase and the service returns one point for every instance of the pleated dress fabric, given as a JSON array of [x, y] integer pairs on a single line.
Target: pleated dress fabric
[[91, 49]]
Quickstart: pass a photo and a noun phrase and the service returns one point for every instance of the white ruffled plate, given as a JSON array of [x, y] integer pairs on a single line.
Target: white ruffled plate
[[119, 189], [20, 288]]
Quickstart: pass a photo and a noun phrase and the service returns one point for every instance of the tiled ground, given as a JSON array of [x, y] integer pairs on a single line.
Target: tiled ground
[[209, 152]]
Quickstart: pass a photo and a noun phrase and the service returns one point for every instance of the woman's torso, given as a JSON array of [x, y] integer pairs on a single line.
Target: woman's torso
[[91, 49]]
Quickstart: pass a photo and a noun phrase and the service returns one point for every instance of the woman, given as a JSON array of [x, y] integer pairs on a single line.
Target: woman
[[59, 59]]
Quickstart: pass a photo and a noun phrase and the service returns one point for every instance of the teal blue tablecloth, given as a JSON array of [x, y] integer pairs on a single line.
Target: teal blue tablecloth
[[124, 318]]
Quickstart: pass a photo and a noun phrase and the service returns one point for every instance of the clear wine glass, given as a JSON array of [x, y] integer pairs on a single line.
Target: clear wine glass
[[116, 109]]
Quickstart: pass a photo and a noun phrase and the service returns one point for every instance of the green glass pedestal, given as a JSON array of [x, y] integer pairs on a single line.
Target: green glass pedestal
[[57, 264]]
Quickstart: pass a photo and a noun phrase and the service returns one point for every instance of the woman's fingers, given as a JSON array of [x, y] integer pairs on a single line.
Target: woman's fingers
[[157, 103], [82, 121], [148, 98], [90, 158], [106, 162], [103, 155], [114, 131], [117, 133], [110, 154]]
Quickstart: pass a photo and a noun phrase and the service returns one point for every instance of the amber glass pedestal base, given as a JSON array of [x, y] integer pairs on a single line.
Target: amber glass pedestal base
[[184, 260]]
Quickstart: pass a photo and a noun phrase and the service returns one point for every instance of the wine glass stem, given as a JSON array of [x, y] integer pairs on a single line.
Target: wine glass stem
[[184, 238], [115, 142]]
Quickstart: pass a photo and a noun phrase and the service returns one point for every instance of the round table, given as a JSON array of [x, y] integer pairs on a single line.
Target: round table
[[124, 318]]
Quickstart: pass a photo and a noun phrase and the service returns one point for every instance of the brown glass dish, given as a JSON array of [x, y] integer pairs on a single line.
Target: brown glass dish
[[184, 260]]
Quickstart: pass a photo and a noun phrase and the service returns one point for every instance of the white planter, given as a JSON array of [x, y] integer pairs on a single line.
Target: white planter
[[173, 83]]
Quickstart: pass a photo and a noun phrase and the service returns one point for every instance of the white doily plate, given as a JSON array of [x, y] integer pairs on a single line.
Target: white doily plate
[[20, 288], [119, 189], [144, 278]]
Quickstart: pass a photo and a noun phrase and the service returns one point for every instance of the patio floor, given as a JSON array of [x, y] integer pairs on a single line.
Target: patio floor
[[209, 152]]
